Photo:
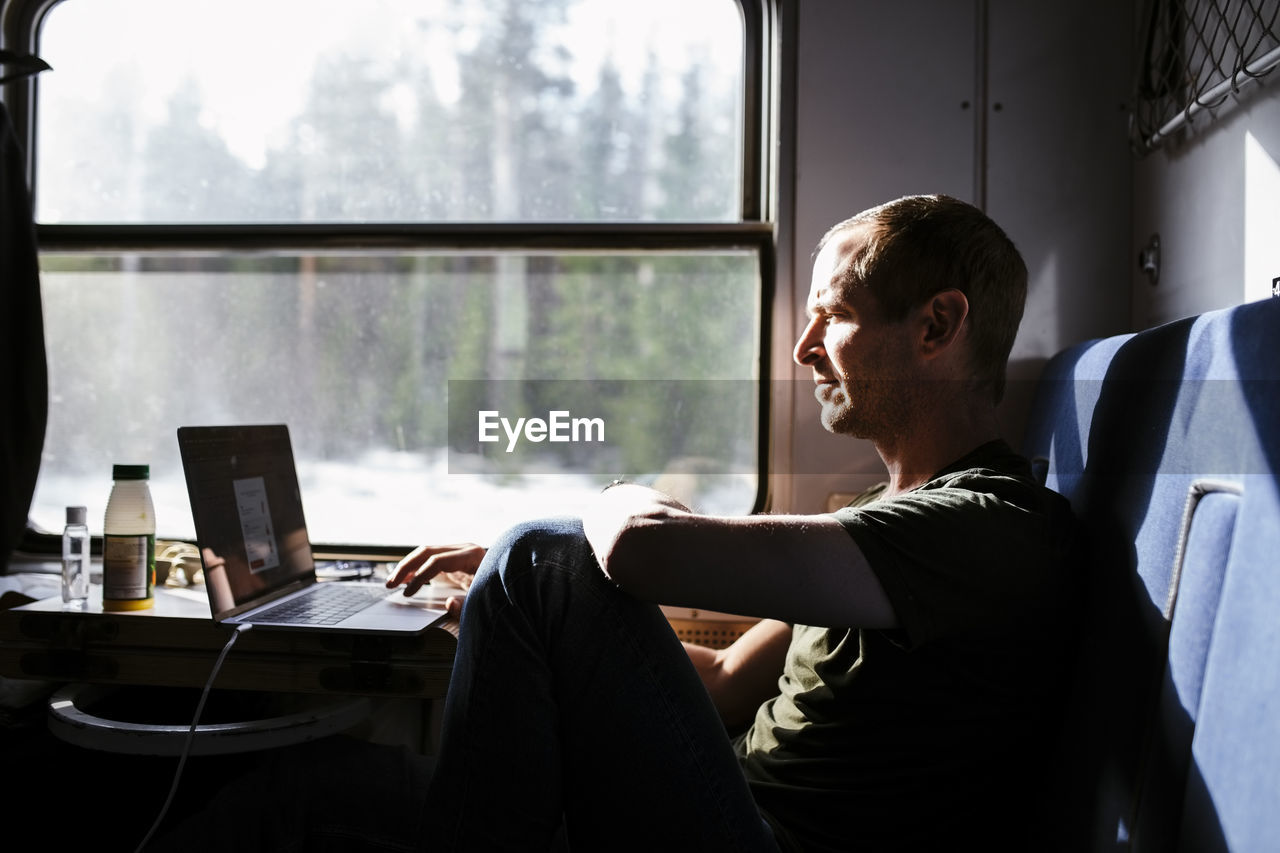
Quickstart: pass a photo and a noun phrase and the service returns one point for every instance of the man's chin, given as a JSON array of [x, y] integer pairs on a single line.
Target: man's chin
[[843, 420], [836, 420]]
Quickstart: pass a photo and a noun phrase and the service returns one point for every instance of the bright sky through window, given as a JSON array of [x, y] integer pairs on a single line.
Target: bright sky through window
[[250, 84]]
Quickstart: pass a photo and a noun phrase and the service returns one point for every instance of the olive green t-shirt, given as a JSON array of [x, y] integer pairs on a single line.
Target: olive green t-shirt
[[928, 734]]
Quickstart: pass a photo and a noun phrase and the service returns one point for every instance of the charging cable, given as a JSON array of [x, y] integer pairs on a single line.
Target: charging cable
[[191, 734]]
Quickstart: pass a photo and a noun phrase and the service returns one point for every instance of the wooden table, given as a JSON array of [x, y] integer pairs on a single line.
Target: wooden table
[[177, 642]]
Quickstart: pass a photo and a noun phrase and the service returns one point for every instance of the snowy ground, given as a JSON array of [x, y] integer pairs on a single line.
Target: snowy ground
[[393, 498]]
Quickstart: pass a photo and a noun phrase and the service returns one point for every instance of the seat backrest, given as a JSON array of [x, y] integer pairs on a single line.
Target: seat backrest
[[1167, 443]]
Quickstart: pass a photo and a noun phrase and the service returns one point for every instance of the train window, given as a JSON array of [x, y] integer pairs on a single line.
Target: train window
[[382, 223], [390, 110]]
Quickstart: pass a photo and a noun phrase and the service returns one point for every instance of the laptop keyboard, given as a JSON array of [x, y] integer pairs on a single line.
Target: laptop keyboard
[[328, 604]]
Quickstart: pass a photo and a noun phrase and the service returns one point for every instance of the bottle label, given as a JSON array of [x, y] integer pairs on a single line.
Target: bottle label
[[128, 567]]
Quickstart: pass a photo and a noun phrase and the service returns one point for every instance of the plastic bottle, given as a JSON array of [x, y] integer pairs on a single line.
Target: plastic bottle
[[75, 560], [129, 541]]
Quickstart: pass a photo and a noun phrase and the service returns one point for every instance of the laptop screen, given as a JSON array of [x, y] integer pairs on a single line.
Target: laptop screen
[[247, 509]]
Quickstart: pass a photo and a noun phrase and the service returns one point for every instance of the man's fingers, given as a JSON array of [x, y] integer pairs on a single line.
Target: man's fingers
[[434, 565], [458, 562], [405, 567], [414, 561]]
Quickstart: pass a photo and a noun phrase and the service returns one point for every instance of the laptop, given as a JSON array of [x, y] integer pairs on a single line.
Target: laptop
[[253, 541]]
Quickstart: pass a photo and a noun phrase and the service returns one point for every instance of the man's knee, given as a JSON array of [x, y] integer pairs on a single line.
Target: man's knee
[[525, 550], [558, 540]]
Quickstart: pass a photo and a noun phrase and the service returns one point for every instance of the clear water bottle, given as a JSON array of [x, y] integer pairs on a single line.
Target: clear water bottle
[[75, 560], [129, 541]]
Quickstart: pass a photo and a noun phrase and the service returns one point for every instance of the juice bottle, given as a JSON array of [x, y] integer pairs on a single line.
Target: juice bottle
[[129, 541]]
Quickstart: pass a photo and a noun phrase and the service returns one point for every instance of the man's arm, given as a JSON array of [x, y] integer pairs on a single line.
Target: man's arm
[[803, 569], [745, 674]]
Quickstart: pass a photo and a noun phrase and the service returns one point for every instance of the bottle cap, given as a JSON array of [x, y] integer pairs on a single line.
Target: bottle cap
[[131, 472], [76, 514]]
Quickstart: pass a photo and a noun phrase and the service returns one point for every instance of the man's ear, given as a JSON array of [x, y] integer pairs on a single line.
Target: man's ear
[[942, 319]]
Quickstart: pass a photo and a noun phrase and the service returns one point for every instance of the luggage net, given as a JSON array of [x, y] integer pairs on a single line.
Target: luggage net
[[1196, 55]]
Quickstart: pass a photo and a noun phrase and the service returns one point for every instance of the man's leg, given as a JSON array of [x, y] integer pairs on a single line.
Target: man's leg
[[571, 700]]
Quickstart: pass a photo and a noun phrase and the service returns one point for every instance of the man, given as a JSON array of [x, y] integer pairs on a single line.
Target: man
[[900, 680]]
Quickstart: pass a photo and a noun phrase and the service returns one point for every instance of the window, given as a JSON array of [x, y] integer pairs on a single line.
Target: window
[[383, 223]]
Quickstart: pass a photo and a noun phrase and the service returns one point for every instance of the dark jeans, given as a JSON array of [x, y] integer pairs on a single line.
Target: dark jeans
[[572, 701], [573, 712]]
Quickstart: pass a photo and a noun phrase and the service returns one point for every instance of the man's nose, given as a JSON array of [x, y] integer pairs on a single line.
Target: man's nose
[[809, 346]]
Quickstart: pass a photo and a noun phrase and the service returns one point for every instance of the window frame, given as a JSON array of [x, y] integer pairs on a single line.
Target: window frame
[[756, 229]]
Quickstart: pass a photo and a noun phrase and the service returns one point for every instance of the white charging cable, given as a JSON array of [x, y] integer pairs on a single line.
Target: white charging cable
[[191, 734]]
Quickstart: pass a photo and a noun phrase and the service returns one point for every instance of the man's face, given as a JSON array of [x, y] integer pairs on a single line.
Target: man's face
[[860, 362]]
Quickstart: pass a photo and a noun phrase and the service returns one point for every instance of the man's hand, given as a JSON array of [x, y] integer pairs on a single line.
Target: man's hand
[[619, 507], [456, 563]]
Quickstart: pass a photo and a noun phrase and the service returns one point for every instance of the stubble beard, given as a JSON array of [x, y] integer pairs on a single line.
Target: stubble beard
[[839, 416], [869, 413]]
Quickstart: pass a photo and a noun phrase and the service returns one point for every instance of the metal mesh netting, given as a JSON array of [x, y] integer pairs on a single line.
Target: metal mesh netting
[[1195, 55]]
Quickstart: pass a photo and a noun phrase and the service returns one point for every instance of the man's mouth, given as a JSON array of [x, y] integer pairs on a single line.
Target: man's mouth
[[824, 389]]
